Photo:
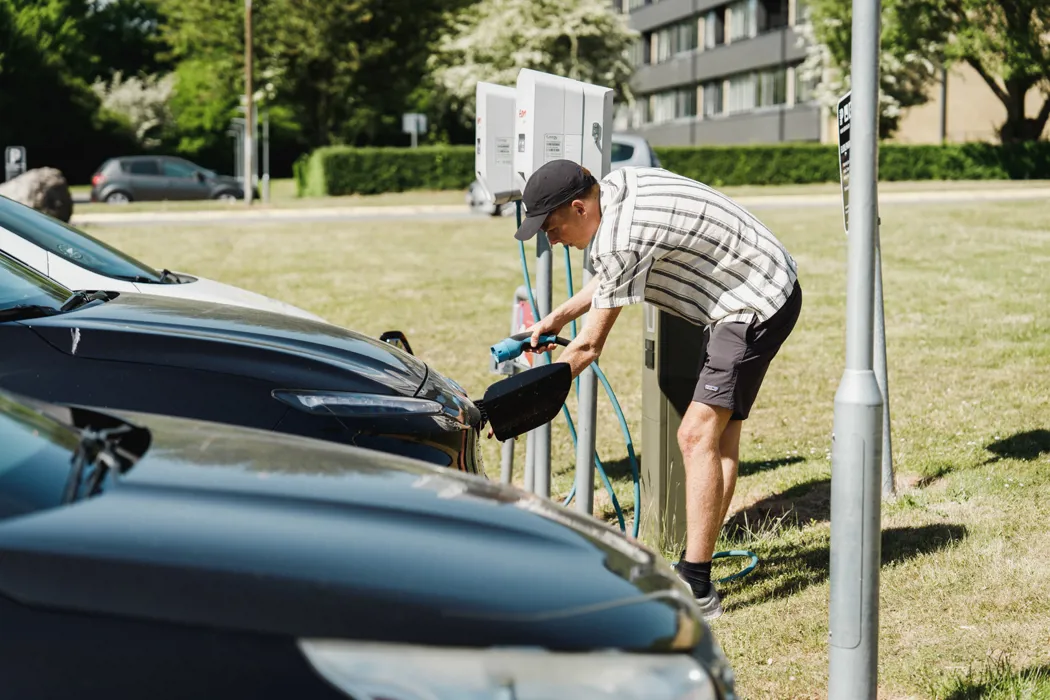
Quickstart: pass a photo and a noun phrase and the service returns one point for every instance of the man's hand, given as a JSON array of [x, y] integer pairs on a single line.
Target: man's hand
[[547, 326]]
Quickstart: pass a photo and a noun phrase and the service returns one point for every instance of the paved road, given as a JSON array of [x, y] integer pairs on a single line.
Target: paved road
[[460, 212]]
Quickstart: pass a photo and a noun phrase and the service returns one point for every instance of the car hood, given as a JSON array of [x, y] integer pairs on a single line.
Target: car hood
[[203, 289], [237, 340], [248, 530]]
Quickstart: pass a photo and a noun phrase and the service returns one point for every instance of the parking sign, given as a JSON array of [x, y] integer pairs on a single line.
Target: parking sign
[[14, 162], [843, 126]]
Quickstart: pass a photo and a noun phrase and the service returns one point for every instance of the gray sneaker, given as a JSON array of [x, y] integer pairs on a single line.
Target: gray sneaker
[[710, 603]]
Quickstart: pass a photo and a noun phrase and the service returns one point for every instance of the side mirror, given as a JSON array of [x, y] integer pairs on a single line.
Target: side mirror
[[398, 340], [200, 176]]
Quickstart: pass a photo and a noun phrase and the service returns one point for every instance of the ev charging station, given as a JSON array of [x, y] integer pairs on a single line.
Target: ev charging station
[[549, 118], [673, 350], [493, 151]]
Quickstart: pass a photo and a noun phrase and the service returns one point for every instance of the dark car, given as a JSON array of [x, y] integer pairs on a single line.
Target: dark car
[[154, 178], [229, 364], [153, 557]]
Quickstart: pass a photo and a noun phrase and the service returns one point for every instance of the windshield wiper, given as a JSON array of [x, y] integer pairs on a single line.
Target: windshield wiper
[[167, 276], [97, 449], [78, 299], [24, 311]]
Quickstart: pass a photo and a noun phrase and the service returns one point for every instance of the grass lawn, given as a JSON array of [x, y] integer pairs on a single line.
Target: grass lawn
[[282, 196], [965, 580]]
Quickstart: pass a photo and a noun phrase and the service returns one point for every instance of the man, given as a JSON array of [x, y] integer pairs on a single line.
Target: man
[[683, 247]]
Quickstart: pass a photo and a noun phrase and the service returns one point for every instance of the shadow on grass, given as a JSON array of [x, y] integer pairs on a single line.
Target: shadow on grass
[[785, 570], [756, 467], [620, 468], [799, 505], [1026, 446], [1000, 681]]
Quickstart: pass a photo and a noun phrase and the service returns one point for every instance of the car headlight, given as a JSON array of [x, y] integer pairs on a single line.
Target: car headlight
[[357, 405], [367, 671]]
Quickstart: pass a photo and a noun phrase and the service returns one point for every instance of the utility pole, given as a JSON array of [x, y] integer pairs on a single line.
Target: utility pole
[[249, 111], [857, 440]]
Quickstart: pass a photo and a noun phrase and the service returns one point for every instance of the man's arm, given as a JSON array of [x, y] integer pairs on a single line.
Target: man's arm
[[588, 345], [577, 306], [570, 310]]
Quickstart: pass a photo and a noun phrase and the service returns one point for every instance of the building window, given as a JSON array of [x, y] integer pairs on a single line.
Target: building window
[[638, 53], [801, 11], [748, 91], [771, 88], [743, 19], [673, 104], [805, 89], [741, 96], [773, 14], [675, 39], [715, 28], [635, 4], [713, 98]]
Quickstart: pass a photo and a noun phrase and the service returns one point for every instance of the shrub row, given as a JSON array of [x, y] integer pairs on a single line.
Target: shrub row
[[341, 170]]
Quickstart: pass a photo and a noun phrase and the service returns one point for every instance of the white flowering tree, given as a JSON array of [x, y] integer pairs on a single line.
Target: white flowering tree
[[142, 102], [493, 39]]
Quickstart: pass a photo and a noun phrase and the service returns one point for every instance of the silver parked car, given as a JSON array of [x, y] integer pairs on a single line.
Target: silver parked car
[[627, 149]]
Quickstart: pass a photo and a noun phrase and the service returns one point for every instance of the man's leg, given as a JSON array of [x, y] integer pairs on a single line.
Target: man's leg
[[699, 437], [729, 447]]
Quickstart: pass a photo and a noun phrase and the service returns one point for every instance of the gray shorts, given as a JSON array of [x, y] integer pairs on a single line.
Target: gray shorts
[[738, 355]]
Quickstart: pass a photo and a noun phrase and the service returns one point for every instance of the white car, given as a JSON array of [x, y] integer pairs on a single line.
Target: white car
[[627, 149], [77, 260]]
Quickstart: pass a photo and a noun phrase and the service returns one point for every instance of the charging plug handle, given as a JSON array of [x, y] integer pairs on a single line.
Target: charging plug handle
[[511, 347]]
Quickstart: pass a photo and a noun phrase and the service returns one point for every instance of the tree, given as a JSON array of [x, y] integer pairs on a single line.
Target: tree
[[1005, 42], [124, 37], [492, 40], [143, 103], [1008, 44], [339, 71], [912, 52], [45, 101]]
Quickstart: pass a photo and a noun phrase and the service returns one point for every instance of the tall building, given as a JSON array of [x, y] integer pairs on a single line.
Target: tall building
[[717, 72]]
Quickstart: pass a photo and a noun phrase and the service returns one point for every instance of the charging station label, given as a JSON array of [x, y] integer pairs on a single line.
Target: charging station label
[[552, 147], [503, 152]]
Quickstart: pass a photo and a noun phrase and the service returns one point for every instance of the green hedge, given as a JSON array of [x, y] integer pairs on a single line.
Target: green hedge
[[340, 170], [805, 163]]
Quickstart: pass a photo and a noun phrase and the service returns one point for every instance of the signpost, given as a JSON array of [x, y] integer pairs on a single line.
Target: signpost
[[881, 370], [415, 124], [844, 120], [14, 162], [856, 531]]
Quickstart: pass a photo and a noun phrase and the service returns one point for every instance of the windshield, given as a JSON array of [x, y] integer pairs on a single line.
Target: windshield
[[23, 286], [75, 246], [35, 461]]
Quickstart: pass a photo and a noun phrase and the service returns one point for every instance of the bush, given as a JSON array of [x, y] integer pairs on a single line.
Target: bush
[[340, 170], [784, 164]]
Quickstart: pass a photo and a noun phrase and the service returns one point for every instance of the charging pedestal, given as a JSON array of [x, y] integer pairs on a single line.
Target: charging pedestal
[[673, 350], [493, 149], [543, 118], [560, 118]]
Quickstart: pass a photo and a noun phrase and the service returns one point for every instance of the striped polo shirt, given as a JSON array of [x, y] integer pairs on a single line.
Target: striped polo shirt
[[686, 248]]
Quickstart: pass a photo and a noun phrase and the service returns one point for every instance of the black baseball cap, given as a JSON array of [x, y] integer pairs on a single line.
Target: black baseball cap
[[552, 185]]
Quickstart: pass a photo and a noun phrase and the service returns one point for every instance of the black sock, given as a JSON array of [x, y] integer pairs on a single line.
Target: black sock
[[698, 575]]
